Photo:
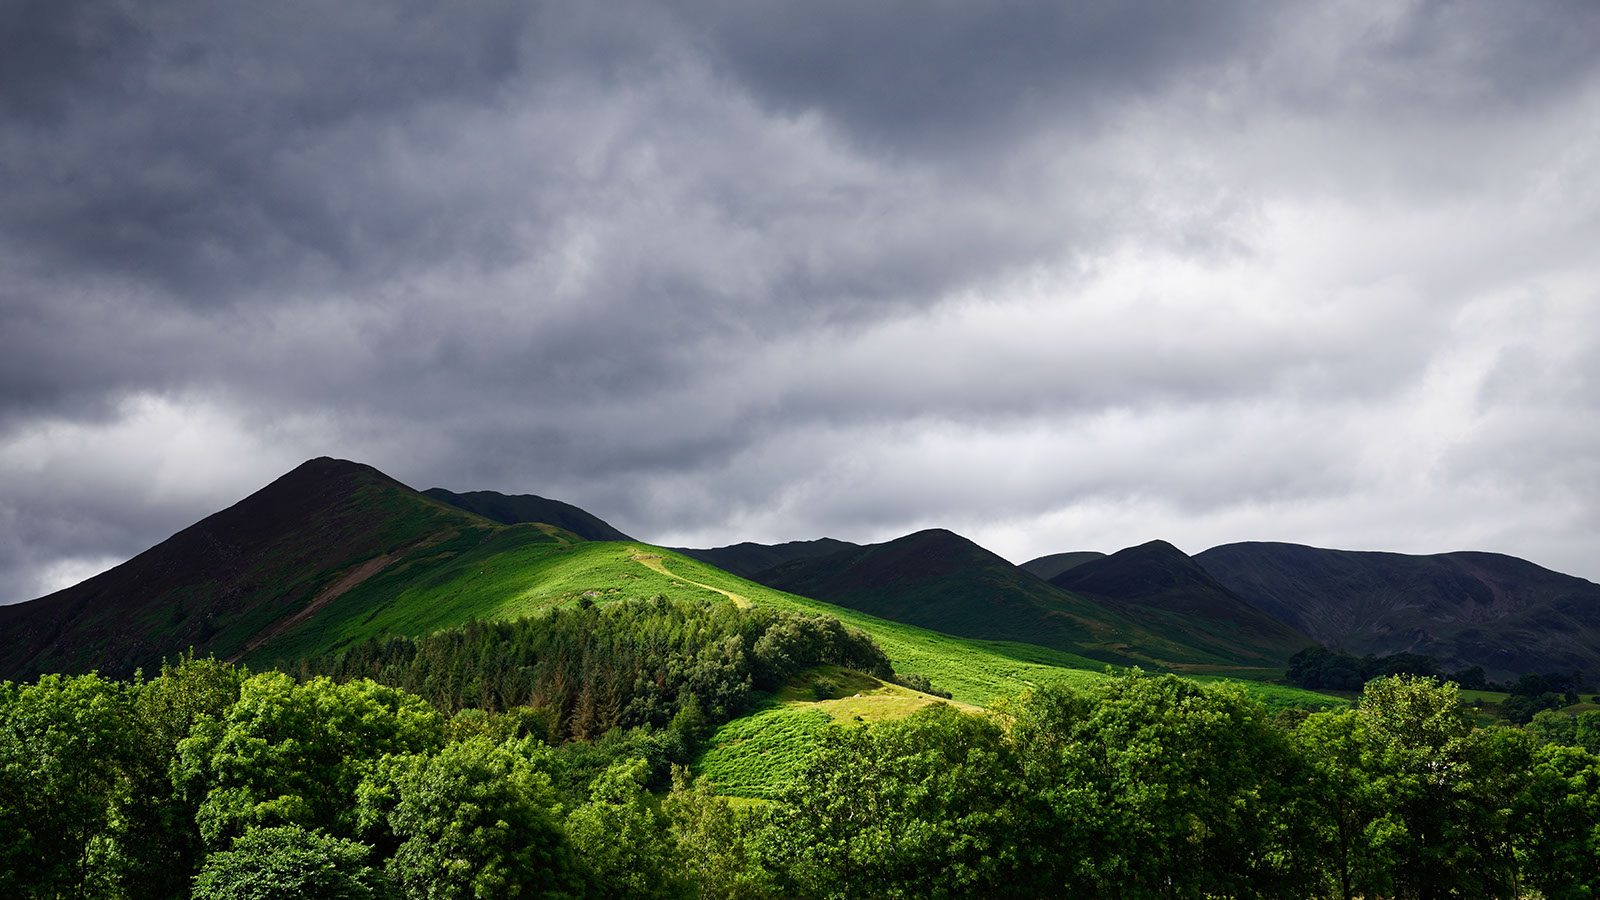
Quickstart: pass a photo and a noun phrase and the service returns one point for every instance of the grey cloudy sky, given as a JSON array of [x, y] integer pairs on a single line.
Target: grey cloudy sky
[[1054, 276]]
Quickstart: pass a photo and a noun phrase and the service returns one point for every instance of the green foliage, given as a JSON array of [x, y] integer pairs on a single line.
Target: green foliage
[[476, 819], [624, 664], [1410, 798], [918, 807], [714, 841], [1550, 726], [1153, 786], [64, 743], [1586, 731], [1318, 667], [288, 862], [1131, 787], [293, 754], [921, 683], [623, 839], [158, 843], [1559, 824]]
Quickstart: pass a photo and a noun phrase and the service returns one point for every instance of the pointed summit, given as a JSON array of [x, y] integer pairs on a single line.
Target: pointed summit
[[218, 583], [1156, 582]]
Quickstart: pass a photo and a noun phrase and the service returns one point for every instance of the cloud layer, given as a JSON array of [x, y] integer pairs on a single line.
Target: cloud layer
[[1054, 277]]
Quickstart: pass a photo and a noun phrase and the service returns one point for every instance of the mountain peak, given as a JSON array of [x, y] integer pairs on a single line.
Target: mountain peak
[[1157, 576], [215, 584]]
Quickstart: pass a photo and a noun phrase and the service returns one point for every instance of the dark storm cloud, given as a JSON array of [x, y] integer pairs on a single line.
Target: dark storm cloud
[[58, 50], [191, 170], [923, 77], [1064, 274]]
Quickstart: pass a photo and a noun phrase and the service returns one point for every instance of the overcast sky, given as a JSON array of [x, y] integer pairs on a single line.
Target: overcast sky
[[1054, 276]]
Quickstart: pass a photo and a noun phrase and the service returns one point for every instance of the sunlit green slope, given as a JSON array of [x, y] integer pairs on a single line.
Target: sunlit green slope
[[519, 570]]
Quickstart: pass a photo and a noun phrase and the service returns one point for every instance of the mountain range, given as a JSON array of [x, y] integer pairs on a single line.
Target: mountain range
[[336, 551]]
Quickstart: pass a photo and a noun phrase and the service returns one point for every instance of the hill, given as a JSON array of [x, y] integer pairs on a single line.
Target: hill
[[526, 508], [286, 550], [746, 559], [1048, 567], [1505, 614], [336, 552], [1161, 587], [937, 579]]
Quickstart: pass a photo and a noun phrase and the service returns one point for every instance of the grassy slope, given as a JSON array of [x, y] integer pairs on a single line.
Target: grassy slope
[[518, 570], [755, 755]]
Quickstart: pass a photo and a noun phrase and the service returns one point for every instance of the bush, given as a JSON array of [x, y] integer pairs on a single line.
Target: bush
[[920, 683], [287, 863]]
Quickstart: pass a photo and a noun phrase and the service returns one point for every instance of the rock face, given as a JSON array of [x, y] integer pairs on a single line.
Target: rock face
[[1505, 614]]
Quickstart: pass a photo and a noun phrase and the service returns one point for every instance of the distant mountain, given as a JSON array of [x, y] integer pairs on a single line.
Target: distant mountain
[[1505, 614], [335, 552], [746, 559], [516, 509], [222, 582], [1162, 587], [937, 579], [1048, 567]]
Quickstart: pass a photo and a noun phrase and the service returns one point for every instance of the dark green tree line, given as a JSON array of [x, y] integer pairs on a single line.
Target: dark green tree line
[[598, 667], [206, 781]]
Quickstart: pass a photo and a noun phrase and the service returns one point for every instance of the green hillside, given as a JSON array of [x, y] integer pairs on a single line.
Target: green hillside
[[335, 552], [1048, 567], [940, 580], [519, 570], [515, 509]]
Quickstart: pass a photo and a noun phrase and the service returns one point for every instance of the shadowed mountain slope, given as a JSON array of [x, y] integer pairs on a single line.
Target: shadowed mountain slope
[[746, 559], [1500, 612], [1048, 567], [526, 508], [1162, 587], [937, 579], [300, 541]]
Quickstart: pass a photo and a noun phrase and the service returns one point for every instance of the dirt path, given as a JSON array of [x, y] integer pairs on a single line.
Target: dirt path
[[652, 561]]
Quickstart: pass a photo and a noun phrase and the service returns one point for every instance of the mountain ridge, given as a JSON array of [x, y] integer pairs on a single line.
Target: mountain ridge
[[333, 544], [518, 509], [747, 558], [1155, 581], [940, 580], [1464, 608]]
